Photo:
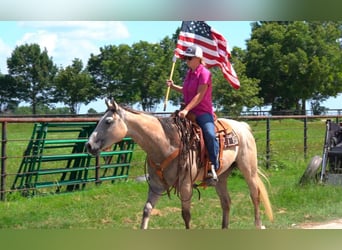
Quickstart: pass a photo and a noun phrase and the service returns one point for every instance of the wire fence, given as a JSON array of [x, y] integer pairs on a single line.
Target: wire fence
[[278, 138]]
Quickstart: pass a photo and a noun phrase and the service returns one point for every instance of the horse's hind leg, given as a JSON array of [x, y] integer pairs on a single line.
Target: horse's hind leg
[[222, 191], [152, 199], [254, 193], [252, 182]]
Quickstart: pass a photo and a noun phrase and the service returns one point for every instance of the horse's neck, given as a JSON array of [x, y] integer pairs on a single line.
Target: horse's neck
[[149, 134]]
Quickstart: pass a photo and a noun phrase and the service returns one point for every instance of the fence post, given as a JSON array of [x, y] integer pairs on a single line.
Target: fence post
[[268, 140], [3, 161], [97, 170], [305, 137]]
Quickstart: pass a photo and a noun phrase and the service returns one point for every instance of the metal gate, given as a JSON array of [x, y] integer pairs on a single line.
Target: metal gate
[[56, 157]]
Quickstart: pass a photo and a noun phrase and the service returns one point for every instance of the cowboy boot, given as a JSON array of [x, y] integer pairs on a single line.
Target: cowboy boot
[[212, 177]]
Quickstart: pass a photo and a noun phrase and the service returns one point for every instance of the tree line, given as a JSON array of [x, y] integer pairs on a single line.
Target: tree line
[[284, 65]]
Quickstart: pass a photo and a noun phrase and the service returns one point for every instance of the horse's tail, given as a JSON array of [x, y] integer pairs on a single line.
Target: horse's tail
[[264, 195]]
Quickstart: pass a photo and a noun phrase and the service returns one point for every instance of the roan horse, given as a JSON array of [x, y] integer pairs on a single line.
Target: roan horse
[[167, 168]]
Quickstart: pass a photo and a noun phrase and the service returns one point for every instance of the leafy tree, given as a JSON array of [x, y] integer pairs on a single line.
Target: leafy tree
[[110, 71], [229, 100], [34, 70], [92, 111], [150, 67], [73, 86], [295, 61], [42, 109], [8, 93], [134, 73]]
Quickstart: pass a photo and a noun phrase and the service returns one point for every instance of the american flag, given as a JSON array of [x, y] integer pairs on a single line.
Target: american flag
[[213, 44]]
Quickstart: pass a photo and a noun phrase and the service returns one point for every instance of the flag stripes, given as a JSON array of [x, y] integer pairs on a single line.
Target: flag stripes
[[213, 44]]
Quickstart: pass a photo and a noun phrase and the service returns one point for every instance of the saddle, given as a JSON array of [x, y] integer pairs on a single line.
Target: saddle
[[225, 136]]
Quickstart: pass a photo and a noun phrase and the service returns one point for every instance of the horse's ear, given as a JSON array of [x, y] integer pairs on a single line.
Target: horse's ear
[[112, 105], [108, 103]]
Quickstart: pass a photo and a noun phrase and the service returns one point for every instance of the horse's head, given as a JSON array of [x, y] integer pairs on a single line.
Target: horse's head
[[110, 129]]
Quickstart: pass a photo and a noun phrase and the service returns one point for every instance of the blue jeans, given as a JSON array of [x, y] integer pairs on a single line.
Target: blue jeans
[[206, 122]]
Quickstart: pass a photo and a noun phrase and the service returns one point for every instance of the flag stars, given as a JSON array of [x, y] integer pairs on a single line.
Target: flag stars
[[199, 28]]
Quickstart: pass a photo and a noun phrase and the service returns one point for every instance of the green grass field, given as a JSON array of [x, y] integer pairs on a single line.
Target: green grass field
[[119, 205]]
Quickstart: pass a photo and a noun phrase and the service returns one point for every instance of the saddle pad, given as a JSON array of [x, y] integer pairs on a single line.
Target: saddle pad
[[226, 135]]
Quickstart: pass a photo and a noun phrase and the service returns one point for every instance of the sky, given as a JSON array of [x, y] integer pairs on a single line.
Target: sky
[[66, 40], [69, 39]]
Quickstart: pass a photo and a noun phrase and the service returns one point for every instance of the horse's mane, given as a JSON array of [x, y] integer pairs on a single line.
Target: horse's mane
[[174, 124], [129, 109], [181, 134], [167, 123], [179, 131]]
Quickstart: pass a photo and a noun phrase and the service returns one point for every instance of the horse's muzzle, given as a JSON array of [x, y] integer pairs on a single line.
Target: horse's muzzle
[[91, 150]]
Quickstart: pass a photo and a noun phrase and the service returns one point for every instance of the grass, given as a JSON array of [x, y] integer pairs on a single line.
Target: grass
[[119, 205]]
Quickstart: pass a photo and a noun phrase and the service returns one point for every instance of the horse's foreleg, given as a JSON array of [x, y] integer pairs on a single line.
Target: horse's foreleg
[[186, 215], [222, 191], [149, 205], [186, 194]]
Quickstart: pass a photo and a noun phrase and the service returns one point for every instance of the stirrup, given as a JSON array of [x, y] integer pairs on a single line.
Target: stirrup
[[210, 182], [213, 173], [212, 177]]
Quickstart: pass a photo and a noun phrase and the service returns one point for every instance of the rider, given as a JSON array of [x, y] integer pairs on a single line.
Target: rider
[[197, 94]]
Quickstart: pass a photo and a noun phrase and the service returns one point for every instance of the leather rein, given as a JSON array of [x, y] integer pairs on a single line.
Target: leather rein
[[178, 152]]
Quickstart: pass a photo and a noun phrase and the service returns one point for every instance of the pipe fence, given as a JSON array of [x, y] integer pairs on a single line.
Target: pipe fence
[[302, 136]]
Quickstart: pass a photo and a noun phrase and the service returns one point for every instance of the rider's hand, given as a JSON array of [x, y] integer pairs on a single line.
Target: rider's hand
[[169, 83], [183, 113]]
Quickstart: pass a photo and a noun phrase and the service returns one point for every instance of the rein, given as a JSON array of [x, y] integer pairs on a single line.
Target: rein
[[160, 167], [186, 143]]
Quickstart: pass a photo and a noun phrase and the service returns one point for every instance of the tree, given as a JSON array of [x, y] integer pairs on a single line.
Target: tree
[[228, 100], [92, 111], [41, 109], [150, 67], [134, 73], [74, 86], [8, 93], [34, 70], [295, 61], [110, 71]]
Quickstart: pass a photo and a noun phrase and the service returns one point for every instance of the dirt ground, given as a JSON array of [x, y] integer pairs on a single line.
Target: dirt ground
[[335, 224]]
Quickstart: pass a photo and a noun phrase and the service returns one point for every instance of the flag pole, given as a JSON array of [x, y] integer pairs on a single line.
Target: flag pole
[[170, 78]]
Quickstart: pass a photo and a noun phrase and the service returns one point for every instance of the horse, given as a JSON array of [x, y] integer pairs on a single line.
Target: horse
[[168, 168]]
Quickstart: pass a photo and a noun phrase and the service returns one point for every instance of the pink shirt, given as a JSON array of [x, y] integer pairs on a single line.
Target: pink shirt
[[191, 83]]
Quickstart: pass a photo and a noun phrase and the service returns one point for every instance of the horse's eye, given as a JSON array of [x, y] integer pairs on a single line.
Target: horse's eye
[[109, 120]]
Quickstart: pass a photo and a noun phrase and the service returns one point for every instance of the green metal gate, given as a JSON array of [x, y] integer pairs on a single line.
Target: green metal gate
[[56, 157]]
